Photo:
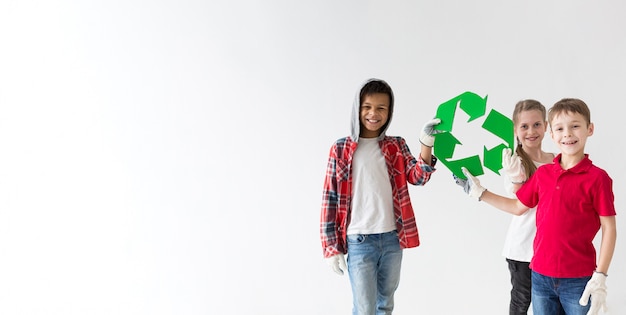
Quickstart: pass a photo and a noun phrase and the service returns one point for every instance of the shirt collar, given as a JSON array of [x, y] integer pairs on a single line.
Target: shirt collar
[[581, 167]]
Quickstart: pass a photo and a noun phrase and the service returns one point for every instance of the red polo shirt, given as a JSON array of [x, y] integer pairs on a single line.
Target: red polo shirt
[[569, 205]]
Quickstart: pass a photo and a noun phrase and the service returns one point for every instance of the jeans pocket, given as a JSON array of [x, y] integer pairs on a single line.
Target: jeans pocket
[[356, 238]]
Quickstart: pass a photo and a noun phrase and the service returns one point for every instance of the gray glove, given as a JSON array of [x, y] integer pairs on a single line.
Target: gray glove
[[471, 185], [427, 137]]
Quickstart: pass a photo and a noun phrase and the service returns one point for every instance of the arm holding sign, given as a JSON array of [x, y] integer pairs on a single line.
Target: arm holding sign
[[472, 187], [512, 166], [427, 139]]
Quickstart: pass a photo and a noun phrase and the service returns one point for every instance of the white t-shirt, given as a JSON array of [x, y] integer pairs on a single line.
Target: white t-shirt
[[518, 244], [372, 202]]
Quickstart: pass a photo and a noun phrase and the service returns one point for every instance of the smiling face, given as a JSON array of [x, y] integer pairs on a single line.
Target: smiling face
[[530, 128], [374, 114], [569, 130]]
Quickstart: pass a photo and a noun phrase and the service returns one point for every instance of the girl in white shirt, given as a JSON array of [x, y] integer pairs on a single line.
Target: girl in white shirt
[[530, 126]]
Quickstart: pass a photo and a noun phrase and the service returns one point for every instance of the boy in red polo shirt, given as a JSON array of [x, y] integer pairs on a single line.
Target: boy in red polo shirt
[[574, 198]]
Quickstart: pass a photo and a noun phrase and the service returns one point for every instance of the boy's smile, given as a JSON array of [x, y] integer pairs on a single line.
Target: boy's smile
[[570, 132], [374, 114]]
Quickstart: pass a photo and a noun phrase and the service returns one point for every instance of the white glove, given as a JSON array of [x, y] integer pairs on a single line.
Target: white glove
[[471, 185], [596, 288], [512, 167], [337, 263], [427, 137]]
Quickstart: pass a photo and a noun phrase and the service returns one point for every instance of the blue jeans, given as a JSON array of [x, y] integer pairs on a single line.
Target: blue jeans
[[374, 262], [551, 294]]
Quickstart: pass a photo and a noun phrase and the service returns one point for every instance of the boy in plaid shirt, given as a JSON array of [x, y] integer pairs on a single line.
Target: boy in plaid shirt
[[366, 208]]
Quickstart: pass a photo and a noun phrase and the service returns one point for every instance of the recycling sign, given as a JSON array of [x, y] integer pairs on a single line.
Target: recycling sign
[[495, 123]]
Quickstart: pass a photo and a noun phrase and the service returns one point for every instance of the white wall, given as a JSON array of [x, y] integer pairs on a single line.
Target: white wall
[[167, 157]]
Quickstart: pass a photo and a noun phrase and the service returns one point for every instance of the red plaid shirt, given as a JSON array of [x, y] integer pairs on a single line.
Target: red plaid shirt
[[403, 168]]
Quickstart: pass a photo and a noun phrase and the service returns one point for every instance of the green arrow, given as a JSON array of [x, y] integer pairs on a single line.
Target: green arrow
[[493, 157], [444, 145], [446, 112], [472, 164], [500, 126], [473, 105]]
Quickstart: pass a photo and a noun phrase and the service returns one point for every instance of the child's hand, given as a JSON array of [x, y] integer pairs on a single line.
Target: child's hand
[[596, 288], [512, 167], [337, 263], [471, 185], [427, 137]]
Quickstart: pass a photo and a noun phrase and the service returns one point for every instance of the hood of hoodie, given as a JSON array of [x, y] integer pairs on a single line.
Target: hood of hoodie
[[355, 126]]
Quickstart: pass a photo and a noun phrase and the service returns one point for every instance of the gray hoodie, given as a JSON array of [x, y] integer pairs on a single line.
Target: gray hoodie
[[355, 126]]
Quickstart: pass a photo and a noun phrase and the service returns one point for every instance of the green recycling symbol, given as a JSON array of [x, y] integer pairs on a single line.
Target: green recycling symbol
[[495, 123]]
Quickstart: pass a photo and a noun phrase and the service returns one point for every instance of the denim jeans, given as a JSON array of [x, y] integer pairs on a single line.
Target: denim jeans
[[374, 262], [550, 294], [520, 287]]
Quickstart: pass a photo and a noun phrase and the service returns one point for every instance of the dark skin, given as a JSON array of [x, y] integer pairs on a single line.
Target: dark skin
[[374, 114]]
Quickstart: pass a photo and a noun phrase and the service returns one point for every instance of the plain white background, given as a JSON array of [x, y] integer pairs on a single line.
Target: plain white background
[[167, 157]]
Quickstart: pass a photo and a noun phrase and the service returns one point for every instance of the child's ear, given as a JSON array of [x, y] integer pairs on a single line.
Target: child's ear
[[591, 126]]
